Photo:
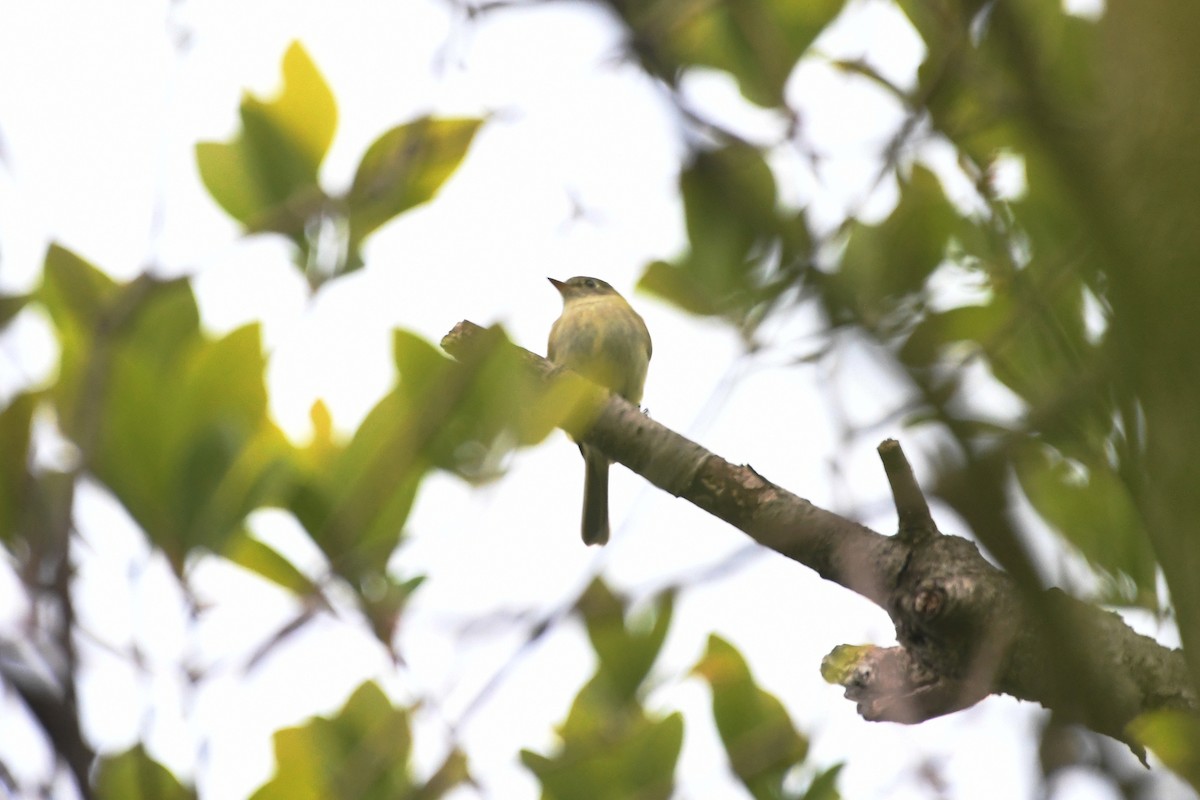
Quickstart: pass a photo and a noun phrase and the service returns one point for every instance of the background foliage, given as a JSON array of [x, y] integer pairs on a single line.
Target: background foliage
[[1068, 284]]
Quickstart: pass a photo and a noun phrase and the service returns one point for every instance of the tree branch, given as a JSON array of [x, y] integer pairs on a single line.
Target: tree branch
[[964, 628]]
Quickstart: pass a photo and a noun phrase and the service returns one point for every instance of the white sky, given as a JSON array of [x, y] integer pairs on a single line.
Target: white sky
[[99, 114]]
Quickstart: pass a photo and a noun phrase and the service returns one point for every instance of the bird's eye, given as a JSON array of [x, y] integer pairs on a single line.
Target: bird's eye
[[591, 284]]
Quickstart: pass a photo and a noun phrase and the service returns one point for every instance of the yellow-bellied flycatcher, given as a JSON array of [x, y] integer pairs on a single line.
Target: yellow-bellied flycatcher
[[603, 339]]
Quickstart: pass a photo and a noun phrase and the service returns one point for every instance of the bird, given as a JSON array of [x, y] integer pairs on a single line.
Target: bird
[[602, 338]]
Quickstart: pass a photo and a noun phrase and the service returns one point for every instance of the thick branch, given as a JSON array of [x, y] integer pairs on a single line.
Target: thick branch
[[839, 549], [965, 629]]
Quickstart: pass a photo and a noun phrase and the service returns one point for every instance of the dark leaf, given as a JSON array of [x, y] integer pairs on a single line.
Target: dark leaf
[[10, 306], [15, 422]]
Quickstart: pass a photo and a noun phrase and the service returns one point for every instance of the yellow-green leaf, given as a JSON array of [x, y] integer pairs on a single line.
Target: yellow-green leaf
[[360, 752], [133, 775], [1174, 736], [759, 737], [404, 168], [267, 562], [266, 176]]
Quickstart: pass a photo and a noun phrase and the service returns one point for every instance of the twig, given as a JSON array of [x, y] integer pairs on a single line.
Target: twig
[[916, 523]]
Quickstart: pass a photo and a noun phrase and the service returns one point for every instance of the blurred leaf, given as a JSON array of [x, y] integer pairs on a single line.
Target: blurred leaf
[[485, 403], [361, 752], [199, 439], [266, 177], [404, 168], [759, 737], [133, 775], [73, 290], [323, 442], [305, 110], [384, 600], [739, 243], [636, 759], [757, 41], [355, 499], [976, 325], [15, 422], [611, 748], [452, 773], [1092, 508], [626, 651], [10, 306], [1174, 736], [463, 416], [883, 263], [75, 294], [267, 562], [175, 424], [824, 785]]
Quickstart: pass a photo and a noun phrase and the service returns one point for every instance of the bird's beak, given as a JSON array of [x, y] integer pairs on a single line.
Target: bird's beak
[[558, 285]]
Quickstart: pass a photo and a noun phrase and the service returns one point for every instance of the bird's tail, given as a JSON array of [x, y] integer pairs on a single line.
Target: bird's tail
[[595, 496]]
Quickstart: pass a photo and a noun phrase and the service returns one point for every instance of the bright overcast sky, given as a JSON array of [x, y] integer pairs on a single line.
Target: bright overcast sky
[[101, 105]]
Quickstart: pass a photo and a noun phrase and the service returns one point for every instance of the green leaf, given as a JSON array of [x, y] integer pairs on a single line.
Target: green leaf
[[824, 785], [1093, 509], [462, 416], [611, 747], [263, 560], [354, 501], [757, 41], [74, 294], [266, 177], [735, 233], [635, 758], [404, 168], [354, 498], [361, 752], [74, 291], [133, 775], [15, 422], [175, 424], [759, 737], [626, 651], [1174, 736], [883, 263], [976, 325]]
